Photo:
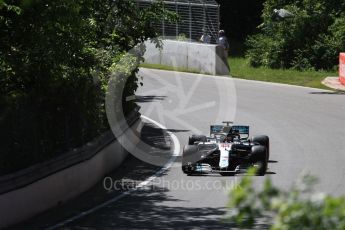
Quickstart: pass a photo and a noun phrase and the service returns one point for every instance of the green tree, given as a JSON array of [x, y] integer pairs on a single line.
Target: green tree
[[297, 208], [304, 41], [55, 61]]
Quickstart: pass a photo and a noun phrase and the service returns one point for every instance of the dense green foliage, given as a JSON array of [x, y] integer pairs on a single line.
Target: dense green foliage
[[298, 208], [311, 39], [55, 59]]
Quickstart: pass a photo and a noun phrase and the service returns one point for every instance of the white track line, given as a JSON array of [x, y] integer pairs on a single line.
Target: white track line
[[176, 153]]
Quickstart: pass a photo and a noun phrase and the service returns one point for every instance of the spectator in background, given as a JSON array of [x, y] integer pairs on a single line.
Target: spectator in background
[[223, 42], [205, 38]]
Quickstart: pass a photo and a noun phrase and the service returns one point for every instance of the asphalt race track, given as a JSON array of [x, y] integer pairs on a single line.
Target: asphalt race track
[[306, 126], [306, 129]]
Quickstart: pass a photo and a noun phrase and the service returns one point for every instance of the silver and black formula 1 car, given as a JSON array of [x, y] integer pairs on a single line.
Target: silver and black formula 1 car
[[228, 150]]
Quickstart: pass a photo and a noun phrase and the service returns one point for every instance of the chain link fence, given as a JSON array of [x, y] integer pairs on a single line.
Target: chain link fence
[[196, 17]]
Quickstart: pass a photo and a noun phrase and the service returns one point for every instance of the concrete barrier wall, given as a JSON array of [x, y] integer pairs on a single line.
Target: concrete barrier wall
[[28, 201], [205, 58]]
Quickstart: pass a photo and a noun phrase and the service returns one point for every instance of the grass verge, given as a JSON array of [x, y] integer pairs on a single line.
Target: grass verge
[[169, 68], [240, 68]]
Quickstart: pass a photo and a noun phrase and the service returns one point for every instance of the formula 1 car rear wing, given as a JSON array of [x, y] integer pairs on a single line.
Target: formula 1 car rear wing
[[241, 129], [222, 129]]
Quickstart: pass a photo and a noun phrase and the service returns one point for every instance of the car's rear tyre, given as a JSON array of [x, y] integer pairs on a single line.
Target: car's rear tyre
[[194, 138], [259, 157], [262, 140], [187, 164]]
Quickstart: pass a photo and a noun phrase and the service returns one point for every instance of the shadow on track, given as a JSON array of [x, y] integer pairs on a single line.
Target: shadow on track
[[148, 209], [146, 99], [328, 93], [273, 161], [178, 131], [130, 173]]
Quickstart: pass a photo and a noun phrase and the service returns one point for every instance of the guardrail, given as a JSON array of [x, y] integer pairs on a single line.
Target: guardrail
[[43, 186], [38, 171]]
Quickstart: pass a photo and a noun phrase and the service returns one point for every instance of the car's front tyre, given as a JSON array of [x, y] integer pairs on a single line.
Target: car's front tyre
[[188, 154], [259, 158], [262, 140], [195, 138]]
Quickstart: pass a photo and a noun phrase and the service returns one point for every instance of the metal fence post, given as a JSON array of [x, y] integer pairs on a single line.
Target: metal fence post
[[218, 20], [176, 10], [163, 24], [204, 16], [190, 22]]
